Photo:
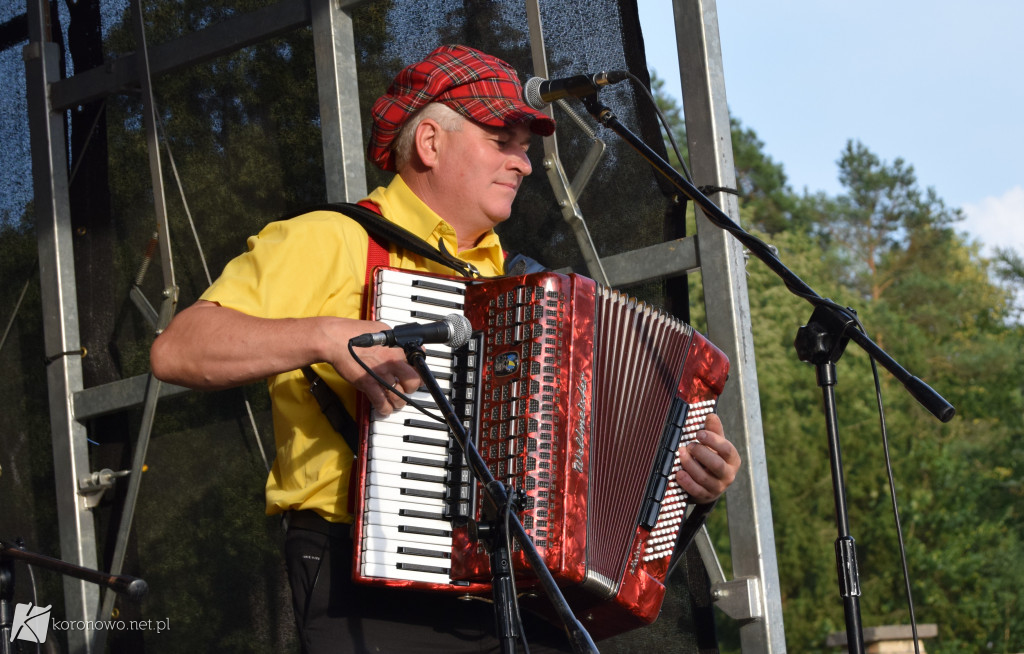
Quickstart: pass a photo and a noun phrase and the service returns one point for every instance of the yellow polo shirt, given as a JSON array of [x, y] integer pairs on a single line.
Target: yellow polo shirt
[[314, 265]]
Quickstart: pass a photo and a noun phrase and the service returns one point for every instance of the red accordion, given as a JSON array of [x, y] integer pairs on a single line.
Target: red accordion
[[575, 394]]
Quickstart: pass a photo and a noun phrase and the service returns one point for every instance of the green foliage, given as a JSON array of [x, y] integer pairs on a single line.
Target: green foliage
[[928, 299]]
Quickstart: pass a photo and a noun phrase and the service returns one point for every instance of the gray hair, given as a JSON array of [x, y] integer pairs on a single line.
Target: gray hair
[[449, 120]]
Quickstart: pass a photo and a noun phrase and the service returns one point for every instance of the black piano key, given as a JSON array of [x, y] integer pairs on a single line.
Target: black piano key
[[415, 567], [438, 354], [425, 424], [426, 315], [417, 461], [417, 492], [435, 286], [423, 531], [425, 440], [437, 302], [419, 476], [426, 404], [416, 551], [414, 513]]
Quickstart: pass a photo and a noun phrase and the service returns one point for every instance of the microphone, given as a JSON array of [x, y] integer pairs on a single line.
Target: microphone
[[539, 92], [454, 331]]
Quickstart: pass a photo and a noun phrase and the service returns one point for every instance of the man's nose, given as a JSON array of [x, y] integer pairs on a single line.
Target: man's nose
[[520, 162]]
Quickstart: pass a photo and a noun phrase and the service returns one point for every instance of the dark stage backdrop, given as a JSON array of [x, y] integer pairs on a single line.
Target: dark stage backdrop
[[243, 131]]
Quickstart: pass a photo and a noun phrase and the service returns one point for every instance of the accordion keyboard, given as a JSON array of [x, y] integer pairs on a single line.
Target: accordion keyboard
[[415, 481]]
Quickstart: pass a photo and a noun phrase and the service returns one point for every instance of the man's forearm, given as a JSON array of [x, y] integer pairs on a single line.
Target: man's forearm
[[210, 347]]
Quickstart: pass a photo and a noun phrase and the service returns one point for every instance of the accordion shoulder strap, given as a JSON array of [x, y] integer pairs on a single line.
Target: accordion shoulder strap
[[382, 228]]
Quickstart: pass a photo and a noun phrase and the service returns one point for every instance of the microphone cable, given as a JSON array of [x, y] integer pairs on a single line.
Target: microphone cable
[[895, 503], [391, 387]]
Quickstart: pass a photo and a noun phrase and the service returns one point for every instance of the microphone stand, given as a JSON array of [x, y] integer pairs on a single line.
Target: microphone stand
[[502, 586], [133, 587], [820, 342]]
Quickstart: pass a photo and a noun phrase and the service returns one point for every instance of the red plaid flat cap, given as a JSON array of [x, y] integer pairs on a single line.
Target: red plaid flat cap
[[478, 86]]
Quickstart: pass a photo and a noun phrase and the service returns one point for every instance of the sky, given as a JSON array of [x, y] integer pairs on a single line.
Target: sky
[[937, 83]]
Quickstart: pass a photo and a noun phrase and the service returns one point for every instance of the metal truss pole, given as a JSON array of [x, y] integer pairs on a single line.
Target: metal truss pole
[[340, 123], [753, 597], [60, 317]]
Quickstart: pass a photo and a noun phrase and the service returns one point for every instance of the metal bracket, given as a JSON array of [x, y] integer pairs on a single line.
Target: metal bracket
[[740, 599], [567, 194], [91, 488]]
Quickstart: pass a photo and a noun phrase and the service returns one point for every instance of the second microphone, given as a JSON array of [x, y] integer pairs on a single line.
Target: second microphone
[[454, 330]]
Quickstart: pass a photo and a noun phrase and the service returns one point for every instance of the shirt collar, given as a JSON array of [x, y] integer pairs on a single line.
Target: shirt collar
[[400, 205]]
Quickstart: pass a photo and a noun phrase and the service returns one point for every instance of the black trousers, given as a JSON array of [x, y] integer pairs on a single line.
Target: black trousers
[[333, 614]]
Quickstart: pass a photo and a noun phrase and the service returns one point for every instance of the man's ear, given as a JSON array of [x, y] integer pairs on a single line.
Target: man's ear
[[427, 142]]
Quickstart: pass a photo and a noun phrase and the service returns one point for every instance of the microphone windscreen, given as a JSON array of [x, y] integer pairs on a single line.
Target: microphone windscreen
[[459, 329], [531, 93]]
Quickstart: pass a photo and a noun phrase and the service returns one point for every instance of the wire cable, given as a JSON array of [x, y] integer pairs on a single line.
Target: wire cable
[[895, 508], [664, 123], [390, 387]]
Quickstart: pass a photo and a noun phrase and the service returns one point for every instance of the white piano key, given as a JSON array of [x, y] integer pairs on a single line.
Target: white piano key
[[405, 533], [395, 543], [395, 514], [384, 571], [399, 455], [403, 316], [389, 467], [406, 413], [399, 482], [387, 277], [402, 296], [420, 396], [441, 562], [396, 495], [430, 438]]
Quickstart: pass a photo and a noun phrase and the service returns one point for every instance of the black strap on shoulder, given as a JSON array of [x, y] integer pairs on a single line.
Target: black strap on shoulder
[[388, 231]]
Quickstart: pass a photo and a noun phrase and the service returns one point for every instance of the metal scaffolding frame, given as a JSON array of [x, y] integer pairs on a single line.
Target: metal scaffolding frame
[[752, 596]]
